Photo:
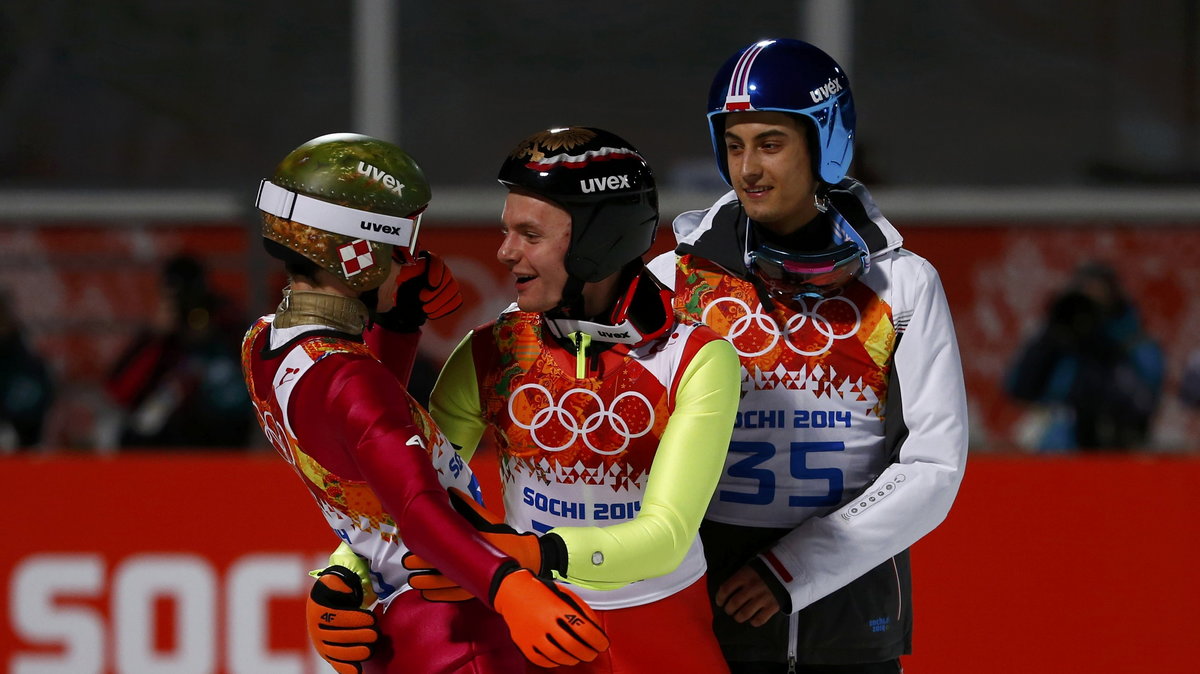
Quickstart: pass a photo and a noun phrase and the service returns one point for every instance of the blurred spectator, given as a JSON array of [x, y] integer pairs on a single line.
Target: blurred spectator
[[1094, 376], [179, 382], [1189, 383], [26, 388]]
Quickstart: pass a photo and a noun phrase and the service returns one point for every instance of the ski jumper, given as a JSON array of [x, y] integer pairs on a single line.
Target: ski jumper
[[616, 449], [378, 468], [850, 438]]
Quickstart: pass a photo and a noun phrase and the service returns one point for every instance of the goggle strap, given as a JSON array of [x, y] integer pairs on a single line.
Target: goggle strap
[[335, 218]]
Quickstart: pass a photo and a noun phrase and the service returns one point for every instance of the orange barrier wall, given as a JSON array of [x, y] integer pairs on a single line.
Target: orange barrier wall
[[196, 562], [1082, 564]]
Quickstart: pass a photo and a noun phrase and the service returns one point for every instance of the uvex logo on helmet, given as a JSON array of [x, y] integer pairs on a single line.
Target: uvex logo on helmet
[[377, 227], [830, 88], [603, 183], [379, 175]]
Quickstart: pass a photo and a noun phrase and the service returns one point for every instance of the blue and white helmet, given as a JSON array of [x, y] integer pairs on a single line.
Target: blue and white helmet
[[794, 77]]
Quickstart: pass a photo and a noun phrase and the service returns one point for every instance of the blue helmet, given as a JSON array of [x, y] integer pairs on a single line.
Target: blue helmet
[[794, 77]]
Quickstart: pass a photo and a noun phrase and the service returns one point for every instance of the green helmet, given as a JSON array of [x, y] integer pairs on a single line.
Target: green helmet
[[343, 201]]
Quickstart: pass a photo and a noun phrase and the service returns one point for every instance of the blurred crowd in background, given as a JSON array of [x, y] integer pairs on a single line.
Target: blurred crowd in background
[[177, 383], [1089, 378], [1091, 375]]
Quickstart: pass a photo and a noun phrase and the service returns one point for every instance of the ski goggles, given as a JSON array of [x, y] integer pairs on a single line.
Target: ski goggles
[[815, 274]]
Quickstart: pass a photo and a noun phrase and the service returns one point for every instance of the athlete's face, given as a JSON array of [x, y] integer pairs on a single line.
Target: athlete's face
[[537, 234], [771, 170]]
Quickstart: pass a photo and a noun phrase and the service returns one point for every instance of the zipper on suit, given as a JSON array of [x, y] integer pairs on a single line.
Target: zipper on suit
[[582, 341], [793, 632]]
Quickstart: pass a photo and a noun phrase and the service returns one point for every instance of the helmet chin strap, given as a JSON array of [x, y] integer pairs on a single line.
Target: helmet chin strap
[[643, 312], [821, 197], [571, 303]]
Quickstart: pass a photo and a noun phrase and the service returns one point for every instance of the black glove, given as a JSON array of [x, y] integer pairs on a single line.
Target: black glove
[[425, 288]]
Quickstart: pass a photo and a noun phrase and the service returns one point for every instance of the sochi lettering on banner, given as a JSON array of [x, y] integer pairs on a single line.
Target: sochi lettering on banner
[[81, 614], [388, 180], [797, 419], [578, 510]]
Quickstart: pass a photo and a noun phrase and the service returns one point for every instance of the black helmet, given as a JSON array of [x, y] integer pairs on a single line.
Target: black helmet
[[605, 185]]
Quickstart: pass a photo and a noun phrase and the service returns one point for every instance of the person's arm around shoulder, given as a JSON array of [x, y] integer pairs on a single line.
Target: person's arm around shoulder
[[550, 626], [360, 412]]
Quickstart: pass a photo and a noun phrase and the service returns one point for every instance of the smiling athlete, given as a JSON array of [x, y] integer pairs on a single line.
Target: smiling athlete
[[340, 213], [851, 436], [612, 417]]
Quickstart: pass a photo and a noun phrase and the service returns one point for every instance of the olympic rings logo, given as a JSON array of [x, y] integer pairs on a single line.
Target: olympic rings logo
[[765, 323], [557, 410]]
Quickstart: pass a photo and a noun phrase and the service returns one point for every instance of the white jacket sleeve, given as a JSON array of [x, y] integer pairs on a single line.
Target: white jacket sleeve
[[926, 434]]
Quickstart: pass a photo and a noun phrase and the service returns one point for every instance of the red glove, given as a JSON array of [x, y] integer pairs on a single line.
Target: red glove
[[425, 288], [341, 632], [547, 622]]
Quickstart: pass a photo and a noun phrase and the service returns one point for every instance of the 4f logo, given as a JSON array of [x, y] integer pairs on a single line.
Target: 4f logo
[[573, 620]]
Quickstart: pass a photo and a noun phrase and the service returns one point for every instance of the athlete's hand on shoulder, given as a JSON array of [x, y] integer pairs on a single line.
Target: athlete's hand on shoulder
[[745, 596], [424, 288], [341, 632]]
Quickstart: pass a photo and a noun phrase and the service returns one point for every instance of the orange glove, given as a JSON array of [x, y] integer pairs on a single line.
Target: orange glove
[[548, 623], [341, 632], [425, 288], [526, 548], [529, 550], [430, 582]]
